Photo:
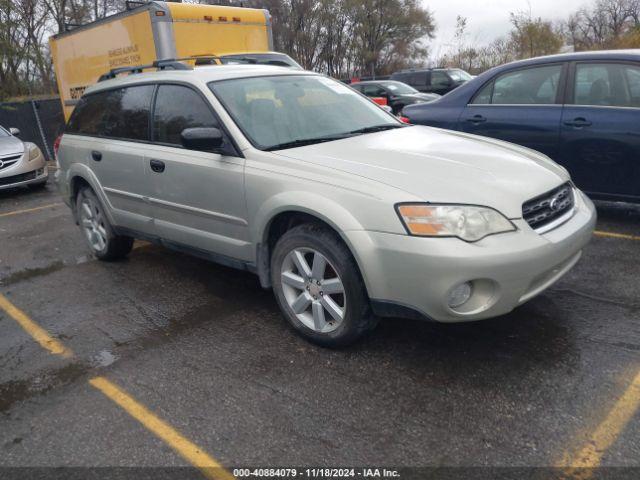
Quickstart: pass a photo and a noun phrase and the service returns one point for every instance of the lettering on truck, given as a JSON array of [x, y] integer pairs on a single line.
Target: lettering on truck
[[124, 56]]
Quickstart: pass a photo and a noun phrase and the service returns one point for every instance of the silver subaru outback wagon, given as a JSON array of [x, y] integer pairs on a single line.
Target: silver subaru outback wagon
[[347, 213]]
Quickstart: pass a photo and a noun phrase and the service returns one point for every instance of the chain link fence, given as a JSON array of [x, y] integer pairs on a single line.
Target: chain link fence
[[39, 121]]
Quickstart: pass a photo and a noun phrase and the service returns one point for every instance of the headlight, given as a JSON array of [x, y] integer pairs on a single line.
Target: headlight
[[34, 152], [469, 223]]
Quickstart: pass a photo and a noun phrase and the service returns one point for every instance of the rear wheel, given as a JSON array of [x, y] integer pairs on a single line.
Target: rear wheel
[[97, 230], [319, 288]]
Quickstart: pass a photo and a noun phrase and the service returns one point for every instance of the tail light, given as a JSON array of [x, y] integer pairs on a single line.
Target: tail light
[[56, 146], [404, 120]]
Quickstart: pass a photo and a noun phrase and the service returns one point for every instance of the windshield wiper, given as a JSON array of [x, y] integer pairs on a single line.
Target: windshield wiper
[[310, 141], [305, 141], [376, 128]]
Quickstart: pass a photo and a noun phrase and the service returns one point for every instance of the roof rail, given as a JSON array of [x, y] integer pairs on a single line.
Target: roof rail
[[168, 64]]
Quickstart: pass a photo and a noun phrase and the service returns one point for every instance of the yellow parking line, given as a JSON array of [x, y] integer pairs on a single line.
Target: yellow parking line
[[39, 334], [188, 450], [589, 457], [29, 210], [191, 452], [622, 236]]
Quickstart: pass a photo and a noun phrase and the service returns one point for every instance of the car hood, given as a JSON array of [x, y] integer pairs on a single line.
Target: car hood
[[441, 166], [10, 146]]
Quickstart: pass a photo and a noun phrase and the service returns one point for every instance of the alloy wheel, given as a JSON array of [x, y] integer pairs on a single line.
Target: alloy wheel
[[92, 222], [313, 290]]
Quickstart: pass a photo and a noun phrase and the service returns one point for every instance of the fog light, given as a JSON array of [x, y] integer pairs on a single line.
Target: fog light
[[460, 295]]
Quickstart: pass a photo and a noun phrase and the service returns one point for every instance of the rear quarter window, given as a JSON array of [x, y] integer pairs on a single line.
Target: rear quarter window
[[120, 114]]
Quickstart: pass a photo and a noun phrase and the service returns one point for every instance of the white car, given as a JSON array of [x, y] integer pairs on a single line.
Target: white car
[[345, 211], [21, 163]]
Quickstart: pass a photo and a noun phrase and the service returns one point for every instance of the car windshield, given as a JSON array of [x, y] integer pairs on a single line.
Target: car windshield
[[399, 88], [459, 75], [288, 111], [274, 59], [3, 132]]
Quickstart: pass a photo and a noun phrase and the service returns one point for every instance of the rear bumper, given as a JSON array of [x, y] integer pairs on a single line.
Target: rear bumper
[[25, 172], [407, 274]]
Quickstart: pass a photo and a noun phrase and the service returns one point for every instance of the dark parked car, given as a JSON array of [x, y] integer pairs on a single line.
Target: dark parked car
[[581, 109], [397, 94], [433, 80]]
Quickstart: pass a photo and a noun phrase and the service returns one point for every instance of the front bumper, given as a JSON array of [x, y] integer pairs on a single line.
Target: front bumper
[[417, 274], [24, 172]]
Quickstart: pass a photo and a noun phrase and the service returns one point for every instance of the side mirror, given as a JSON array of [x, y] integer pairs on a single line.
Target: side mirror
[[14, 131], [202, 139]]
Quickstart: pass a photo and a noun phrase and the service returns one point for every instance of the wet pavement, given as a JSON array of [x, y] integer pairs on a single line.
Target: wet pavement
[[204, 347]]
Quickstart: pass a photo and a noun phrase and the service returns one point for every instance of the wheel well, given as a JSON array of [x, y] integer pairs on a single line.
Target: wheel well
[[76, 184], [285, 221], [279, 225]]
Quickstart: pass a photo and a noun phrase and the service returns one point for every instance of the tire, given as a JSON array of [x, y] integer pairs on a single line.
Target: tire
[[97, 230], [328, 319]]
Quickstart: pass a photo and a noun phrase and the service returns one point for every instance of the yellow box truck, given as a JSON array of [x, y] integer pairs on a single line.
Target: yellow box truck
[[153, 31]]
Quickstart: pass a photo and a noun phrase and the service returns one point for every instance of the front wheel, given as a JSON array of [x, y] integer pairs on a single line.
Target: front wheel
[[98, 232], [318, 287]]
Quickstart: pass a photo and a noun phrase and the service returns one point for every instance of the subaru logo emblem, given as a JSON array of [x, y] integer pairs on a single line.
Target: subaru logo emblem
[[555, 203]]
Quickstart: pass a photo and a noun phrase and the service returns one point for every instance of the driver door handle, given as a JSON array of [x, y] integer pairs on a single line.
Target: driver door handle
[[578, 123]]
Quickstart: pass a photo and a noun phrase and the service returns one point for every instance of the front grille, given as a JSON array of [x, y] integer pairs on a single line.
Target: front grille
[[544, 209], [8, 161], [23, 177]]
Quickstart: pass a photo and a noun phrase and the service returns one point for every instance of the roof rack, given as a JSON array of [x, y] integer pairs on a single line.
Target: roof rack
[[168, 64]]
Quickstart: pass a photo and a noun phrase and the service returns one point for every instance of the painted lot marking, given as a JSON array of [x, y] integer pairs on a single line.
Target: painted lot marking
[[621, 236], [580, 464], [209, 467], [188, 450], [29, 210], [38, 333]]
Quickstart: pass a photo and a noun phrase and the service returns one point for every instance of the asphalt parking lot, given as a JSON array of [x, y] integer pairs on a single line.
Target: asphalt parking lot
[[166, 360]]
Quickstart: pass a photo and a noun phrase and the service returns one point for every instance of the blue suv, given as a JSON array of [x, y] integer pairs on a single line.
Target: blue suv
[[580, 109]]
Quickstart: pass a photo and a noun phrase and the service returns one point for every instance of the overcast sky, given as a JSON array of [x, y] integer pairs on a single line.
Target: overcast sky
[[489, 19]]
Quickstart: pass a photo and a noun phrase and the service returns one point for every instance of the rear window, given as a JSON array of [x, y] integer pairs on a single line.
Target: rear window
[[120, 114]]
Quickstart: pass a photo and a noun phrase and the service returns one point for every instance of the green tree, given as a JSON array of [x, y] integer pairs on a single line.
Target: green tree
[[386, 31], [533, 37]]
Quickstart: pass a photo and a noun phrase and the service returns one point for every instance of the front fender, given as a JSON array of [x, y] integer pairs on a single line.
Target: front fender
[[310, 203]]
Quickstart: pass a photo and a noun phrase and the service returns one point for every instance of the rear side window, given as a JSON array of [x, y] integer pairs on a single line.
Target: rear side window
[[609, 85], [126, 113], [374, 91], [177, 108], [418, 78], [440, 79], [531, 86], [122, 114], [87, 115]]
